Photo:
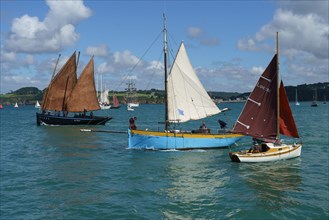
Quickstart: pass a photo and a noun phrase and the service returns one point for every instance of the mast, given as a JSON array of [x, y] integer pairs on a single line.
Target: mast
[[165, 71], [278, 88], [52, 77]]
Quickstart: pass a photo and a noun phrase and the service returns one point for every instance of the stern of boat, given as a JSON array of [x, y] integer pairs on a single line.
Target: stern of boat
[[234, 157]]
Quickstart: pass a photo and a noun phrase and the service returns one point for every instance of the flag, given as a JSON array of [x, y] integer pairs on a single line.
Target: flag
[[180, 112]]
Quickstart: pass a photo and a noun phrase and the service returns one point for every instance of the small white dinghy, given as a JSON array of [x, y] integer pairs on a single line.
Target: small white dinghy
[[265, 116]]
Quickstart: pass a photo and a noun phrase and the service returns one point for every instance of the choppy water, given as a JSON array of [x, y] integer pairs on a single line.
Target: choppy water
[[62, 173]]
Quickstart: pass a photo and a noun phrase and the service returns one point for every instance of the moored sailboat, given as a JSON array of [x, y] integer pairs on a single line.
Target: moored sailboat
[[297, 103], [265, 116], [37, 104], [186, 99], [315, 97], [67, 99], [116, 103]]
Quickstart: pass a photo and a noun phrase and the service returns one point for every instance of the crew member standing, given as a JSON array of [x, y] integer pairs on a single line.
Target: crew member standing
[[132, 125]]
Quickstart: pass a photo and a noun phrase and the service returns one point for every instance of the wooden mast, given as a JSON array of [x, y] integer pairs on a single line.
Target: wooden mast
[[166, 74], [278, 88], [52, 77]]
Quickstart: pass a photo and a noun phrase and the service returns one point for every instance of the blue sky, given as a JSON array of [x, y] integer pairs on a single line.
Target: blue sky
[[229, 42]]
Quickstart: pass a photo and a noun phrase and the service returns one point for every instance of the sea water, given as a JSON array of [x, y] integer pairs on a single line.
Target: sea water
[[59, 172]]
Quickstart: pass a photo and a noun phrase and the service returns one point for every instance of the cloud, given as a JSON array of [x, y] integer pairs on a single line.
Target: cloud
[[55, 32], [196, 33], [100, 51]]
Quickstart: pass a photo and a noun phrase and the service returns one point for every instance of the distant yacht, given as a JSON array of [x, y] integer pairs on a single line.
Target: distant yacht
[[16, 105], [297, 103], [314, 104]]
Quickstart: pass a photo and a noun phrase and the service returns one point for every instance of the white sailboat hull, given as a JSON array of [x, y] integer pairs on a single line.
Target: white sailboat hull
[[273, 153], [133, 105], [104, 107]]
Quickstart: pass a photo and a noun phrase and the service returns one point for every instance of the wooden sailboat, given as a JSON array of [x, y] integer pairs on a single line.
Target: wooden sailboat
[[297, 103], [186, 99], [116, 103], [131, 95], [68, 99], [265, 116]]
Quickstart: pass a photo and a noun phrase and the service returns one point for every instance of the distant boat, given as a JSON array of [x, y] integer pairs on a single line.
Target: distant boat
[[104, 102], [297, 103], [37, 104], [325, 100], [186, 99], [265, 116], [1, 107], [315, 97], [16, 105], [130, 108], [116, 103], [70, 98], [131, 97]]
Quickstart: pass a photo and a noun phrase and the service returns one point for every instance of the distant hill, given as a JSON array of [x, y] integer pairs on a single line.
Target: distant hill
[[29, 95]]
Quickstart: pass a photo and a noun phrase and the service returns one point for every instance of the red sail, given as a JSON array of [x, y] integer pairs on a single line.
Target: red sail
[[115, 101], [287, 122], [259, 115]]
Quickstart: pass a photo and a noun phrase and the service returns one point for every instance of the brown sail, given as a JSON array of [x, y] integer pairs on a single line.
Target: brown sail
[[83, 96], [115, 101], [259, 115], [61, 86]]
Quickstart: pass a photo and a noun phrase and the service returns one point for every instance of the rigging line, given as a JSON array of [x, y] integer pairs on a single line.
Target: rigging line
[[156, 67], [127, 74]]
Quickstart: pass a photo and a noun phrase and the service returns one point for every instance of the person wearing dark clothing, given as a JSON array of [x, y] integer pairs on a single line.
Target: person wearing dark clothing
[[222, 124], [132, 125]]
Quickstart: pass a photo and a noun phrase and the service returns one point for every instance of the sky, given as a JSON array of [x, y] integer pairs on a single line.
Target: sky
[[229, 43]]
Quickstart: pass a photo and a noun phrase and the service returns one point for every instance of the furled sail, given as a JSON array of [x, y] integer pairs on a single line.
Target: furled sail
[[259, 115], [83, 96], [187, 98], [61, 86]]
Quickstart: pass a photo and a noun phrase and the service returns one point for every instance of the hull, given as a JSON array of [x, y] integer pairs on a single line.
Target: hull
[[133, 105], [272, 153], [59, 120], [105, 107], [180, 141]]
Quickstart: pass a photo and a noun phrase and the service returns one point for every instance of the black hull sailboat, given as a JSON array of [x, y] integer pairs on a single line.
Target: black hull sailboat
[[45, 119], [68, 99]]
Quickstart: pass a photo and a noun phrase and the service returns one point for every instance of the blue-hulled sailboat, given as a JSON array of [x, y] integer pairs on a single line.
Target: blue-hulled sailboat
[[186, 99]]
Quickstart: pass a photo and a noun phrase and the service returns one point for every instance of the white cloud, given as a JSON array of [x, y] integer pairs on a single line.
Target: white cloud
[[194, 32], [101, 51], [56, 31], [126, 58], [105, 68]]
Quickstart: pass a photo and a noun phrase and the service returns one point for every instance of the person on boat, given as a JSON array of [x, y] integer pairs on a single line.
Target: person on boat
[[84, 113], [203, 128], [132, 125], [222, 124], [91, 114]]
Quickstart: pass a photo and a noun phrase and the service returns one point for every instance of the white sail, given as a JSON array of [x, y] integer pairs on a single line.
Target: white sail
[[105, 97], [187, 98]]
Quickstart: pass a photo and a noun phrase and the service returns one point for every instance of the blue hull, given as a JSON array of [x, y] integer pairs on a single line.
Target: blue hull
[[179, 141]]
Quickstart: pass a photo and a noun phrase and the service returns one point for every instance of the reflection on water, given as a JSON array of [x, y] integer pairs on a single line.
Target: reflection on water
[[196, 184], [272, 184]]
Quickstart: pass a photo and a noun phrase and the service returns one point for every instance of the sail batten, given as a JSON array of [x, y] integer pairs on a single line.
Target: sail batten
[[187, 98]]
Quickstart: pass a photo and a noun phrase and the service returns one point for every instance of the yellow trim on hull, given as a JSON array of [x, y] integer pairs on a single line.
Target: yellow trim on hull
[[185, 135]]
